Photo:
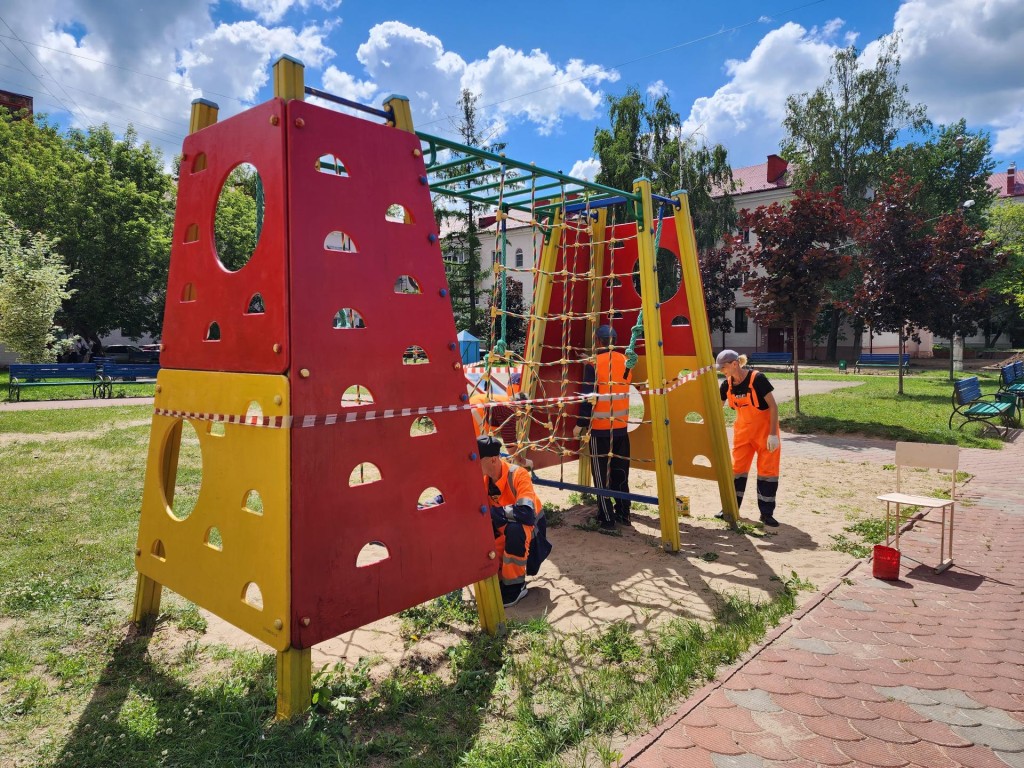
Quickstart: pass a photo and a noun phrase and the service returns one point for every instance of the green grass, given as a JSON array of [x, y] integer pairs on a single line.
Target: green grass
[[70, 392], [874, 409], [80, 688]]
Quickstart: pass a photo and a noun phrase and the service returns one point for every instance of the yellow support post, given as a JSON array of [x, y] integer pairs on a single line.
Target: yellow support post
[[203, 115], [289, 79], [598, 235], [399, 106], [294, 682], [489, 606], [654, 350], [147, 598], [702, 346]]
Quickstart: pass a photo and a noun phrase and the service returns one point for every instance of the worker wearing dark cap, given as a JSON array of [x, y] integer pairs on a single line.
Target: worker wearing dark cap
[[520, 529], [607, 420]]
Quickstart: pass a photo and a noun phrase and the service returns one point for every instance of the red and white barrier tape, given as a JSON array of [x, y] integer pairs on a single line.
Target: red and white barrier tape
[[318, 420]]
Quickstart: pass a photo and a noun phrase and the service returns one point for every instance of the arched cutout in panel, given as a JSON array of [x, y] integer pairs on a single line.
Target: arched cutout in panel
[[681, 321], [254, 411], [253, 503], [213, 332], [415, 355], [188, 476], [424, 425], [158, 551], [199, 163], [339, 241], [371, 554], [332, 166], [701, 461], [618, 244], [615, 315], [215, 428], [188, 293], [252, 595], [613, 282], [406, 284], [637, 409], [238, 220], [694, 418], [356, 395], [256, 305], [669, 273], [431, 497], [398, 214], [346, 319], [213, 538], [364, 474], [192, 233]]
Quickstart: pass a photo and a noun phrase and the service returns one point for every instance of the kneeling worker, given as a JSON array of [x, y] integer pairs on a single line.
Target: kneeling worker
[[520, 530]]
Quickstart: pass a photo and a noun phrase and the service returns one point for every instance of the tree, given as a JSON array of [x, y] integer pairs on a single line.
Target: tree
[[842, 132], [234, 227], [33, 283], [109, 203], [721, 275], [799, 249], [963, 261], [894, 244], [515, 309], [1006, 226]]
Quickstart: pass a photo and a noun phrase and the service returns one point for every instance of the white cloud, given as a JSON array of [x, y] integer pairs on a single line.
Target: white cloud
[[962, 58], [746, 113], [586, 169], [272, 11], [657, 89]]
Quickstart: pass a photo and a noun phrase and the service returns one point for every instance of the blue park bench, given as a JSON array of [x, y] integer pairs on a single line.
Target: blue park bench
[[25, 375], [881, 361], [138, 373], [771, 358], [971, 405], [1011, 379]]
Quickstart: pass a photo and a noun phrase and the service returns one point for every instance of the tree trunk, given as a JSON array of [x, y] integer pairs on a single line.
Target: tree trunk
[[796, 367], [899, 359], [858, 338], [833, 336]]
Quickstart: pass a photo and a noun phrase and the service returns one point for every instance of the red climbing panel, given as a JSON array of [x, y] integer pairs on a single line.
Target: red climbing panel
[[201, 292], [354, 274]]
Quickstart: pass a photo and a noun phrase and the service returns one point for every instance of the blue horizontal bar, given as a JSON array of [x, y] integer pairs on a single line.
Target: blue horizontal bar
[[665, 200], [602, 203], [348, 103], [596, 491]]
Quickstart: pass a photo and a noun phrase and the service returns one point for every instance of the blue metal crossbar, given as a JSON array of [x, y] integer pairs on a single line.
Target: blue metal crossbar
[[387, 115], [596, 491]]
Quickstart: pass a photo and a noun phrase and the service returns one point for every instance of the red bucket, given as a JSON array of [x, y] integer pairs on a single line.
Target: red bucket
[[885, 563]]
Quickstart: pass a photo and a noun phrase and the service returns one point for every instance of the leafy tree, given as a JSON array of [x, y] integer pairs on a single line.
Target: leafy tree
[[515, 327], [721, 275], [963, 263], [1006, 226], [842, 132], [33, 283], [109, 203], [234, 227], [894, 242], [799, 249]]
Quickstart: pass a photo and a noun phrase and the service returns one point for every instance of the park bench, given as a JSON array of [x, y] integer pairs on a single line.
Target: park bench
[[881, 361], [971, 405], [771, 358], [52, 375], [139, 373], [1011, 379]]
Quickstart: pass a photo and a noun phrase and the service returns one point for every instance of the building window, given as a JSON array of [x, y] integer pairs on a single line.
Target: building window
[[519, 257], [745, 236], [740, 326]]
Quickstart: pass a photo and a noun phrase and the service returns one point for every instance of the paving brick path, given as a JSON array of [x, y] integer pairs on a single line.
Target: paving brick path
[[927, 671]]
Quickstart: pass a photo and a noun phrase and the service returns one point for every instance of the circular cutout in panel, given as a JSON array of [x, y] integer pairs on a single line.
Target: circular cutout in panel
[[414, 355], [431, 497], [239, 218], [371, 554], [669, 273], [680, 321], [424, 425], [407, 284], [356, 395], [694, 418], [188, 478], [364, 474], [701, 461], [637, 409]]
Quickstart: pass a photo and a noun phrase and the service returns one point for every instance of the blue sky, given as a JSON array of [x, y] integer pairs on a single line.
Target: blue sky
[[542, 71]]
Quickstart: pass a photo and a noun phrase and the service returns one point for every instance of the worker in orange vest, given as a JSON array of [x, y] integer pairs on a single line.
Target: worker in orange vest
[[607, 420], [520, 528], [756, 431]]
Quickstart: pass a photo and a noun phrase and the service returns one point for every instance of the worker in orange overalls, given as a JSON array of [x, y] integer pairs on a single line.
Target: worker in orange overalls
[[756, 430], [520, 528], [608, 420]]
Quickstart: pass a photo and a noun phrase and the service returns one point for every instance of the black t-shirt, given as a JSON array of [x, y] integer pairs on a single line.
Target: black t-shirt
[[761, 388]]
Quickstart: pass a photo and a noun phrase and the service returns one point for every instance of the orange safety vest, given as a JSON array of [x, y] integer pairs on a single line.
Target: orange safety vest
[[612, 378], [482, 421], [515, 487]]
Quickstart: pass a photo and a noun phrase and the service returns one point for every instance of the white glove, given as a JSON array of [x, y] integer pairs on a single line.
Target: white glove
[[577, 432], [773, 443]]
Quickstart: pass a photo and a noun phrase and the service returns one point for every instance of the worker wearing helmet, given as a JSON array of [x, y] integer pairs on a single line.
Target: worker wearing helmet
[[607, 420], [756, 431]]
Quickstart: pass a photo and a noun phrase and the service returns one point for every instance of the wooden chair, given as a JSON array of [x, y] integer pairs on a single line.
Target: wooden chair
[[924, 455]]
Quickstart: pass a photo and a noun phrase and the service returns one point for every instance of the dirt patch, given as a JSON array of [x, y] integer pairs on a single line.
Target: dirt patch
[[593, 579]]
